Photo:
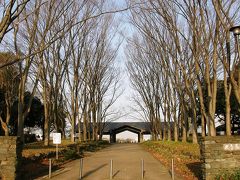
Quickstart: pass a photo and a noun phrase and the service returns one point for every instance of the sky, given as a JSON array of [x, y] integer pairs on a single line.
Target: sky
[[124, 102]]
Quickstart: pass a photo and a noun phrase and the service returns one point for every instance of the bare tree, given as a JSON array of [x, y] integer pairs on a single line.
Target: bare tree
[[9, 80], [227, 12], [33, 35], [10, 12]]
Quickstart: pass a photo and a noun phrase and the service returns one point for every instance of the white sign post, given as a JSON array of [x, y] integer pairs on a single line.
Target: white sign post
[[57, 141]]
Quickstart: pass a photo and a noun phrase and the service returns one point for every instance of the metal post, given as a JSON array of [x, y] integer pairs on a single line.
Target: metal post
[[81, 168], [56, 151], [50, 168], [172, 170], [142, 169], [111, 169], [228, 56]]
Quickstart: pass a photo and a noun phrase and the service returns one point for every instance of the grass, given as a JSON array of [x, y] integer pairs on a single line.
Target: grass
[[186, 156], [37, 148], [235, 175]]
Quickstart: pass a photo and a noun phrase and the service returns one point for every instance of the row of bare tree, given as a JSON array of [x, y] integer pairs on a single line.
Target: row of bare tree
[[62, 51], [180, 50]]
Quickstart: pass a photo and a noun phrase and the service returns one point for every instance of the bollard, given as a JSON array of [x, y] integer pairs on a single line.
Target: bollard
[[111, 169], [172, 170], [56, 151], [142, 169], [50, 168], [81, 168]]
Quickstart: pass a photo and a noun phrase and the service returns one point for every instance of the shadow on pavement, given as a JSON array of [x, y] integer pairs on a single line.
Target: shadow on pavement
[[34, 169], [170, 173], [94, 170], [116, 173]]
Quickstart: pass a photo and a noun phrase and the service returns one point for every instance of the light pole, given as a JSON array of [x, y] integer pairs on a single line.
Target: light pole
[[236, 65], [235, 30]]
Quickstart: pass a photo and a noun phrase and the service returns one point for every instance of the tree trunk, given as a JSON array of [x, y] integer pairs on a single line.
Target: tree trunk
[[46, 131], [175, 127], [94, 130], [20, 118], [79, 131], [203, 125], [4, 127], [202, 108], [46, 116], [228, 117], [227, 91], [184, 123], [46, 127], [73, 129], [194, 127], [164, 129], [85, 126], [212, 124], [169, 126]]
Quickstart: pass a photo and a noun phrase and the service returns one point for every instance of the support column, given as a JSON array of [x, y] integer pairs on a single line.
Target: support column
[[141, 137], [112, 137]]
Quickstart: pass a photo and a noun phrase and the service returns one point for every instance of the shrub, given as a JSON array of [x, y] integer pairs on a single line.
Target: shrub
[[235, 175], [29, 138], [70, 154]]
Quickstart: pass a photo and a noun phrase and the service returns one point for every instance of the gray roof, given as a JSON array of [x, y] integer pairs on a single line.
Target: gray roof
[[145, 127], [111, 126]]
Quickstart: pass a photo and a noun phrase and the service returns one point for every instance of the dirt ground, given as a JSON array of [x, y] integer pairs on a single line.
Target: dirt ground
[[127, 165]]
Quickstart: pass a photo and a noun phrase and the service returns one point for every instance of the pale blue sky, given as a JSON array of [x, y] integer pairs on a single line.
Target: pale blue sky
[[125, 31]]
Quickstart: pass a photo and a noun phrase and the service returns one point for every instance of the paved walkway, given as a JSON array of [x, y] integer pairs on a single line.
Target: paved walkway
[[126, 165]]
